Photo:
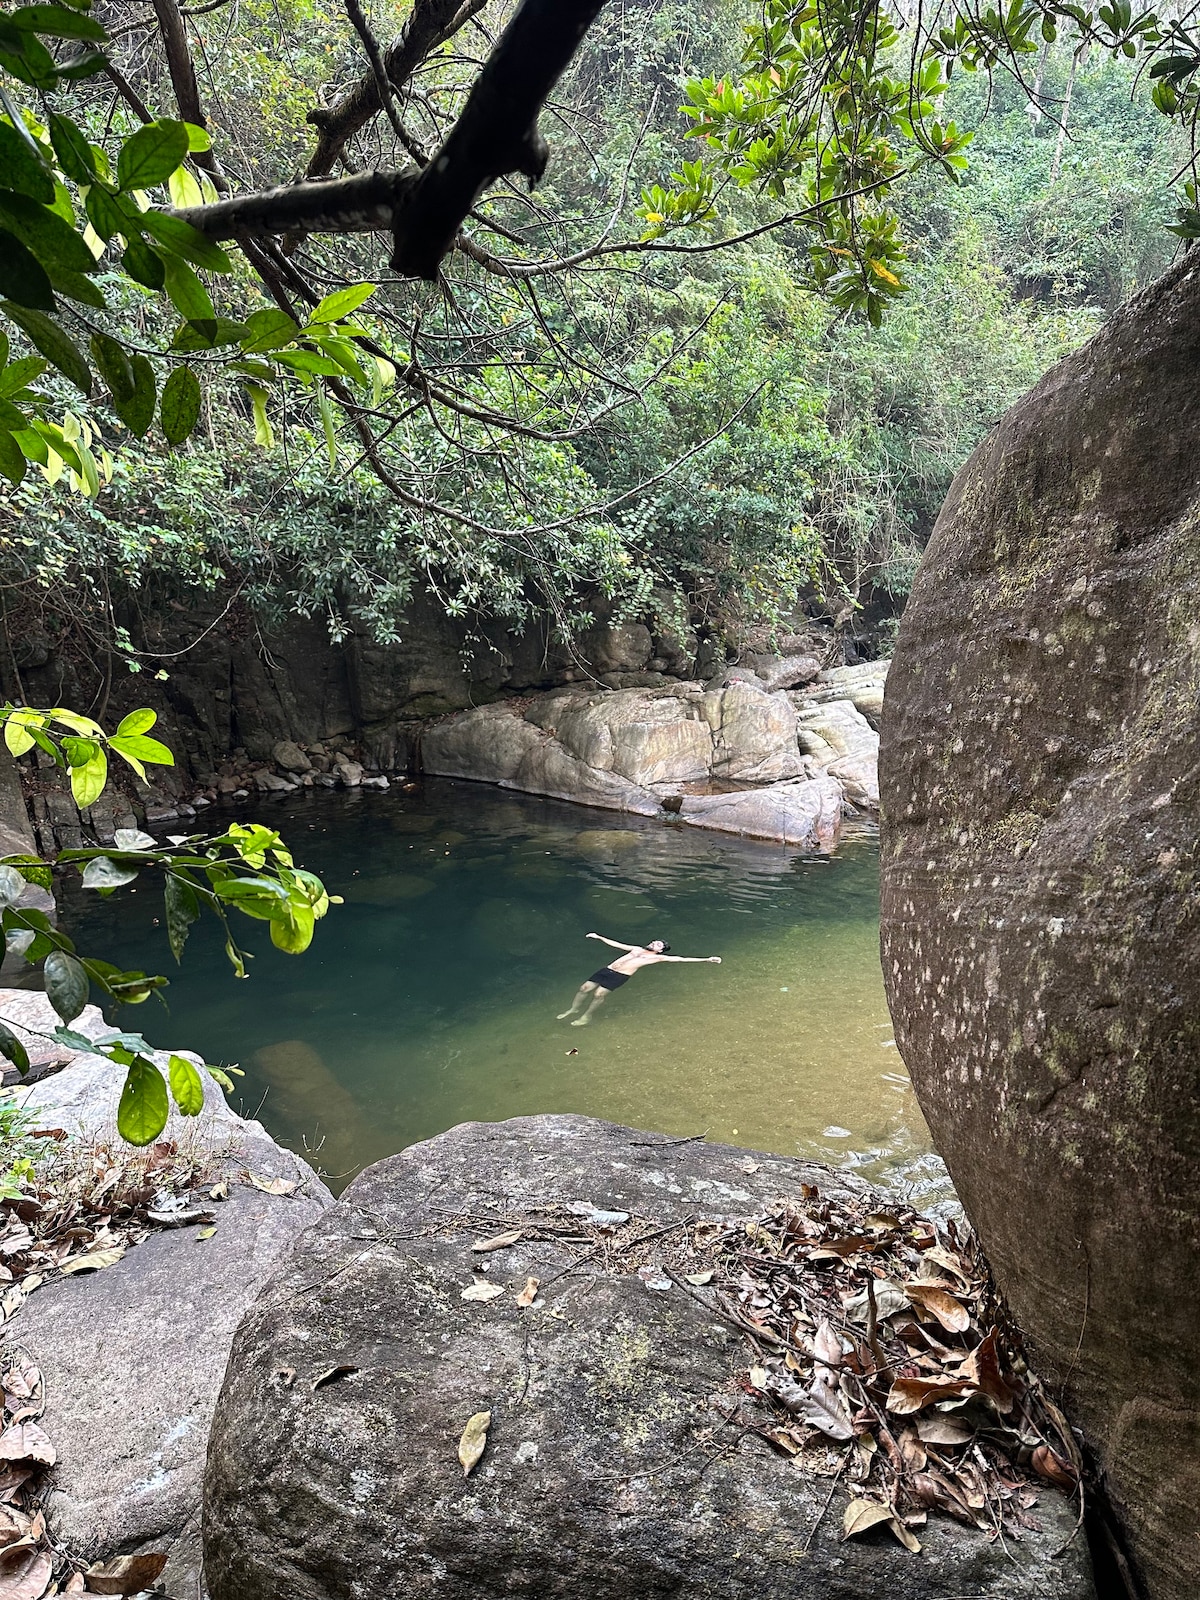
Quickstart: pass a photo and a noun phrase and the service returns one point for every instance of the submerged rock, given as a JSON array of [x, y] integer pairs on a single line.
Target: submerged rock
[[610, 1470]]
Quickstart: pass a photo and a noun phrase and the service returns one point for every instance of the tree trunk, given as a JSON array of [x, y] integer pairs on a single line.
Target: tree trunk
[[1040, 777]]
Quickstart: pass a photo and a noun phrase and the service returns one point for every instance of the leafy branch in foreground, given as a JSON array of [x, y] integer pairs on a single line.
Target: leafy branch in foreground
[[248, 869]]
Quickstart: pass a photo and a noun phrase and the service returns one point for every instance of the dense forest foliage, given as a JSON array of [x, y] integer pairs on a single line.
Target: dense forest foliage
[[696, 425]]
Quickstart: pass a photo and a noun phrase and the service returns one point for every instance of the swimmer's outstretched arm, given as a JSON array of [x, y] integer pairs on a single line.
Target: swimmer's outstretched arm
[[717, 959], [615, 943]]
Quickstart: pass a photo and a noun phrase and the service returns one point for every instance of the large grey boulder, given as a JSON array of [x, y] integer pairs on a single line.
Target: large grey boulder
[[1041, 888], [610, 1471], [133, 1356], [841, 741], [805, 812]]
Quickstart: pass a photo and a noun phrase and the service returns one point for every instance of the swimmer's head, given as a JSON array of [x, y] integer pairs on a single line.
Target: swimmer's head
[[659, 946]]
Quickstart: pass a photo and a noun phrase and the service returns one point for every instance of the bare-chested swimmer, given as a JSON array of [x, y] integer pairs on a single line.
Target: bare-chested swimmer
[[601, 984]]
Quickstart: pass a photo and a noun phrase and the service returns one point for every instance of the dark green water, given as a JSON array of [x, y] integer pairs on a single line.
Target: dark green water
[[430, 998]]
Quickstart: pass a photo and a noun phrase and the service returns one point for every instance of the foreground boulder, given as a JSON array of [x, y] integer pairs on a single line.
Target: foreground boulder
[[133, 1355], [1041, 788], [617, 1465]]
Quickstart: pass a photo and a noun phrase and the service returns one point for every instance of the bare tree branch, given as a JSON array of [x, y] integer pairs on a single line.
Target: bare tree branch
[[368, 202], [183, 80]]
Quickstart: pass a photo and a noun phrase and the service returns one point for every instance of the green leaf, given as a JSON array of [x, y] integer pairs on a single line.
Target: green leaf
[[51, 238], [26, 57], [22, 276], [326, 411], [142, 1113], [66, 984], [263, 433], [151, 155], [182, 909], [143, 264], [76, 287], [114, 367], [268, 330], [17, 374], [13, 1049], [12, 886], [187, 294], [341, 303], [181, 239], [12, 458], [140, 721], [186, 1086], [83, 66], [105, 873], [179, 409], [198, 138], [189, 339], [59, 22], [20, 167], [87, 782], [109, 214], [137, 413], [58, 347], [142, 748], [293, 931], [72, 149]]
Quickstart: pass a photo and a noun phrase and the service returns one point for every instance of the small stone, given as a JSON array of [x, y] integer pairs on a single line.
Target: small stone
[[290, 757], [272, 783], [376, 783], [241, 794], [351, 773]]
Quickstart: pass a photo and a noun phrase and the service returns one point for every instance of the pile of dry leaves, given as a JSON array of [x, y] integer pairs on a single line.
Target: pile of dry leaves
[[883, 1334], [81, 1207]]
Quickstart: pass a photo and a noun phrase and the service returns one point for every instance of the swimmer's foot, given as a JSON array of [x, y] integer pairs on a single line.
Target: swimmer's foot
[[581, 1022], [563, 1015]]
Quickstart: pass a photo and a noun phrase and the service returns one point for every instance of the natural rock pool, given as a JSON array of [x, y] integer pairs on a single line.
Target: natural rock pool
[[430, 998]]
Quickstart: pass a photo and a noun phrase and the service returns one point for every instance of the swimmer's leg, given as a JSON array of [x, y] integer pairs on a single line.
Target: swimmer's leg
[[601, 996], [584, 990]]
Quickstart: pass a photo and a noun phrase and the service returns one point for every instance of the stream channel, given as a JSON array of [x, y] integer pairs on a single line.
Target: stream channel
[[430, 997]]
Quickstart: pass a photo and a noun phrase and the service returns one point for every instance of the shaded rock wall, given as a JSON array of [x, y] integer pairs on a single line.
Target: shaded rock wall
[[1040, 774]]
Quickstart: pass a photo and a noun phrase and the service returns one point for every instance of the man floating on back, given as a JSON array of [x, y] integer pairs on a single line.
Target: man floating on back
[[601, 984]]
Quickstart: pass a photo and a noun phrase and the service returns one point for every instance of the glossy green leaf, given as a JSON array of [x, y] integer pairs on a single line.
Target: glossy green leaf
[[12, 886], [22, 276], [268, 330], [20, 167], [137, 413], [149, 156], [76, 287], [66, 984], [142, 1113], [72, 149], [12, 1048], [105, 873], [341, 303], [109, 214], [60, 22], [181, 239], [144, 749], [189, 339], [51, 238], [140, 721], [293, 931], [187, 294], [143, 264], [187, 1087], [17, 374], [182, 909], [179, 409], [87, 782], [114, 366], [12, 458], [263, 433], [26, 57], [58, 347]]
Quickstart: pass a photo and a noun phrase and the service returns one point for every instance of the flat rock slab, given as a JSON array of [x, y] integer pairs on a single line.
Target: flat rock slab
[[133, 1356], [610, 1471]]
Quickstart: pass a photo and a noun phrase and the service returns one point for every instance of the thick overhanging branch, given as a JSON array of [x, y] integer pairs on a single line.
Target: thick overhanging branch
[[430, 22], [497, 132], [368, 202], [424, 210]]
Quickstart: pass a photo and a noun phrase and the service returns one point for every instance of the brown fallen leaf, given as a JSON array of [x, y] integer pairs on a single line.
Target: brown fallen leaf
[[529, 1293], [908, 1539], [274, 1185], [474, 1438], [863, 1514], [93, 1260], [74, 1584], [501, 1241], [824, 1410], [219, 1191], [481, 1289], [838, 1249], [332, 1375], [26, 1576], [126, 1574], [1048, 1464], [914, 1394], [25, 1441], [701, 1278], [943, 1430], [981, 1369], [951, 1313]]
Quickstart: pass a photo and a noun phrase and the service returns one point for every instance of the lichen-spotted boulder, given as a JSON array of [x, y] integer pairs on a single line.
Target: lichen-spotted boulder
[[1040, 776], [611, 1471]]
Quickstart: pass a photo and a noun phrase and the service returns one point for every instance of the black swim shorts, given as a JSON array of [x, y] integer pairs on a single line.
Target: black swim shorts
[[606, 978]]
